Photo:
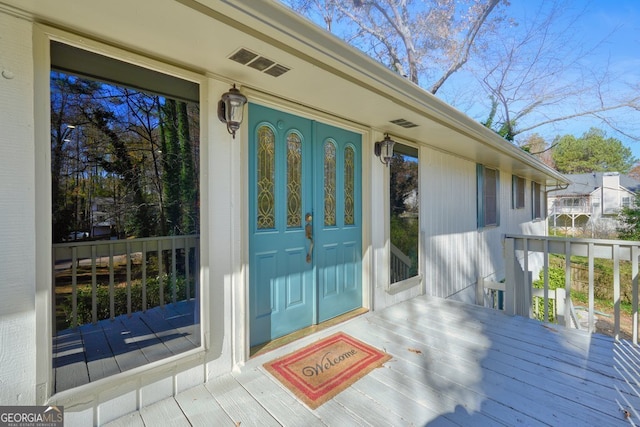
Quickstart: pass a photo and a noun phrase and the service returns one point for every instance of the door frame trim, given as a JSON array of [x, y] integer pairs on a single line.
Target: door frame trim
[[240, 298]]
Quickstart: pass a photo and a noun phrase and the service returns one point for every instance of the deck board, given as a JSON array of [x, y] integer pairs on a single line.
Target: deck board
[[520, 365], [202, 409], [587, 404], [164, 413], [149, 344], [94, 351], [238, 403], [452, 364], [281, 404], [70, 364], [100, 360]]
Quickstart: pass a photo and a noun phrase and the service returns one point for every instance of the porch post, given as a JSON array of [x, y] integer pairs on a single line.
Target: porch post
[[510, 276]]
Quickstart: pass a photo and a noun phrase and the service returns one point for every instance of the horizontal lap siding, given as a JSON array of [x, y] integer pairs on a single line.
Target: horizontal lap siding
[[456, 251], [17, 310]]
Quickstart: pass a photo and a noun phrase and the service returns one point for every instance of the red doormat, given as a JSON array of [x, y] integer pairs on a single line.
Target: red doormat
[[323, 369]]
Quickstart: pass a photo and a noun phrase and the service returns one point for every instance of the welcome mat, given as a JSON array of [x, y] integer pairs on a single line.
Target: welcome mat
[[319, 371]]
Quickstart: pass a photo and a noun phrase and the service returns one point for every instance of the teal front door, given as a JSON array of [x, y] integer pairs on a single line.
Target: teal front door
[[305, 246]]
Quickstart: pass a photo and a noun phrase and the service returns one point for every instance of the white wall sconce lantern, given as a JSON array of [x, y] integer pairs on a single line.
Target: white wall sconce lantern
[[384, 149], [230, 109]]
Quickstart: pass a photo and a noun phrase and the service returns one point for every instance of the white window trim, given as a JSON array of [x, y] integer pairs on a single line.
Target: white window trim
[[88, 395]]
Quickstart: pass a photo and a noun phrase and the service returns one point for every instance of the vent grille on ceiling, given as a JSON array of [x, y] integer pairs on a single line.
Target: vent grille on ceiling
[[260, 63], [404, 123]]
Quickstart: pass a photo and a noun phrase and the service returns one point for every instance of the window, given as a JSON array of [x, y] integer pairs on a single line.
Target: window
[[488, 186], [125, 193], [626, 202], [536, 200], [517, 194], [405, 213]]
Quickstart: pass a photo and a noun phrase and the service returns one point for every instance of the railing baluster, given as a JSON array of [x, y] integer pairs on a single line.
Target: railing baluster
[[128, 258], [106, 256], [567, 284], [616, 291], [160, 281], [112, 296], [527, 297], [143, 263], [510, 295], [592, 326], [545, 291], [94, 287], [187, 268], [174, 273], [634, 284], [74, 287], [620, 254]]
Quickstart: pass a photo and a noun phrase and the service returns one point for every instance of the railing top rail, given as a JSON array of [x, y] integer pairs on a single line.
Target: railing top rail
[[597, 242], [120, 241]]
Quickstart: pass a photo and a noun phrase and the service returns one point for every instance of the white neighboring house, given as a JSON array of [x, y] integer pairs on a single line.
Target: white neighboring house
[[103, 217], [589, 206], [475, 187]]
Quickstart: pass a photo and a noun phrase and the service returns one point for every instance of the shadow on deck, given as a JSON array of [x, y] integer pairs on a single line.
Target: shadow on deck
[[452, 364], [91, 352]]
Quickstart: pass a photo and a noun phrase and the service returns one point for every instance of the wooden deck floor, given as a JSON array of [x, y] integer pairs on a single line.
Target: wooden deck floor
[[91, 352], [453, 364]]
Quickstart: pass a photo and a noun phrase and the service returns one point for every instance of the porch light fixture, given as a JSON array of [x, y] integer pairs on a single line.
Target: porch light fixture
[[384, 149], [230, 109]]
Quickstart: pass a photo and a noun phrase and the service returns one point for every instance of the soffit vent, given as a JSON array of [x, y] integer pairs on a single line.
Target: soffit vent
[[260, 63], [404, 123]]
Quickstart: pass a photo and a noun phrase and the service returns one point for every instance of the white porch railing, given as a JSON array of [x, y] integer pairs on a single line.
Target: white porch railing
[[69, 257], [518, 285], [400, 265]]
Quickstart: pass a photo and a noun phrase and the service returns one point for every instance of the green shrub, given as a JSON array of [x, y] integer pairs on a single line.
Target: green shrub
[[84, 298]]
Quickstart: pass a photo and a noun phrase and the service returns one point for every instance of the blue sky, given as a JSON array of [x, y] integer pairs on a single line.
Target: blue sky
[[618, 22], [622, 48]]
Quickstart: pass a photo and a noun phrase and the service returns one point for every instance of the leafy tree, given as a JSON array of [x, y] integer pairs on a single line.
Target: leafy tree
[[107, 141], [179, 178], [592, 152], [403, 182], [536, 145], [188, 178], [635, 172], [629, 219], [171, 165]]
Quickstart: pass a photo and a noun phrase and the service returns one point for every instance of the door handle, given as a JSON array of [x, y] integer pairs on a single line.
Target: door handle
[[308, 232]]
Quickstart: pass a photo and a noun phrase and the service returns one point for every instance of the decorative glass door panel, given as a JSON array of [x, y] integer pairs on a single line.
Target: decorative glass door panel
[[338, 237], [304, 268]]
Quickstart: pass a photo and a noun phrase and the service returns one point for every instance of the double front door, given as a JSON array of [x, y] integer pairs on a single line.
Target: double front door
[[305, 245]]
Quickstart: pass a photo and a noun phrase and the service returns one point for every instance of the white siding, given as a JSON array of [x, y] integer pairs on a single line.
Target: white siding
[[456, 251], [17, 198]]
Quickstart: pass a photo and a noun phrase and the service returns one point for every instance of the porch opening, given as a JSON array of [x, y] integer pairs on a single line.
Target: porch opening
[[125, 216]]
